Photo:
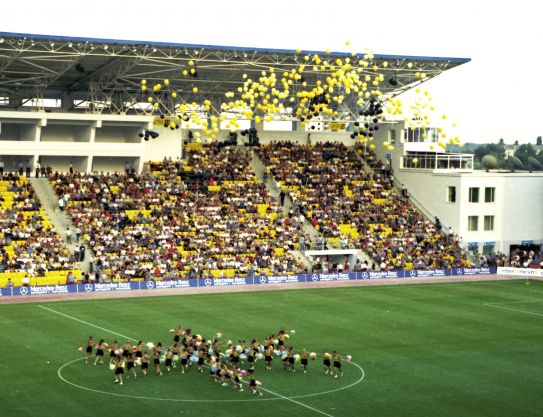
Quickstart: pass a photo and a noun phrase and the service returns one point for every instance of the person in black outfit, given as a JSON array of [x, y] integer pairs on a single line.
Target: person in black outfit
[[282, 196], [81, 253]]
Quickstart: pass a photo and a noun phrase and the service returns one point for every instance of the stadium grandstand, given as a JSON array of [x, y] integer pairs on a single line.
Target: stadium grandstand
[[180, 161]]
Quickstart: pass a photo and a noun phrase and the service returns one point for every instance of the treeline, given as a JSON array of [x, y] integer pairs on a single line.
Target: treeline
[[498, 150]]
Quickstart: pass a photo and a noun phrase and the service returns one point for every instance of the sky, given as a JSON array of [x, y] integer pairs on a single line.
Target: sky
[[496, 95]]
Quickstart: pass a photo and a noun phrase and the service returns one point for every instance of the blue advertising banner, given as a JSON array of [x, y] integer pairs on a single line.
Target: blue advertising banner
[[221, 282], [332, 277], [279, 279], [206, 282], [258, 280]]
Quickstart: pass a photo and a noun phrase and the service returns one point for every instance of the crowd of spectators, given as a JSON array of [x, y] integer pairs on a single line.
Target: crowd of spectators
[[204, 216], [348, 202], [519, 258], [28, 241]]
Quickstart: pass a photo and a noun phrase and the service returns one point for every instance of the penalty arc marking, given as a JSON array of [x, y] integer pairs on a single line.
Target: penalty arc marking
[[278, 396]]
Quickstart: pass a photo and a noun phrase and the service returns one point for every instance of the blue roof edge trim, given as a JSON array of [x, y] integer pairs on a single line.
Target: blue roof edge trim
[[227, 48]]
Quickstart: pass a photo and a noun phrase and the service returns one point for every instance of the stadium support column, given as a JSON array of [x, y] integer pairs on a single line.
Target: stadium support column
[[302, 136], [67, 101], [90, 159]]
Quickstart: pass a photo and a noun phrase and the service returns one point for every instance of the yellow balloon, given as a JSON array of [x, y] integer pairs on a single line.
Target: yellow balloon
[[415, 161], [143, 88], [149, 99], [372, 146], [166, 82], [174, 94], [195, 90], [191, 62], [390, 147], [185, 73], [143, 82]]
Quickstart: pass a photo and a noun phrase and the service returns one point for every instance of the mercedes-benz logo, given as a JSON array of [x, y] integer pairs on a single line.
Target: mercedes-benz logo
[[23, 290], [314, 277], [263, 280], [413, 273], [365, 275], [88, 287], [150, 284], [207, 282], [459, 271]]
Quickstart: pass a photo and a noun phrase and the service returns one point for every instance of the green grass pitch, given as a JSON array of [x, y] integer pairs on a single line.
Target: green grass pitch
[[470, 349]]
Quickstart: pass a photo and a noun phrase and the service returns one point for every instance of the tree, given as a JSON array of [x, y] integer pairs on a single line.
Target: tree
[[501, 141], [538, 141], [523, 152], [495, 149]]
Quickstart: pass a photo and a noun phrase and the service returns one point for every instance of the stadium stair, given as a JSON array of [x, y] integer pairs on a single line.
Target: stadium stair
[[259, 169], [60, 221]]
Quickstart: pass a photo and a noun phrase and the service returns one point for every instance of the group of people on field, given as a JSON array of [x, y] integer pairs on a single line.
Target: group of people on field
[[227, 362]]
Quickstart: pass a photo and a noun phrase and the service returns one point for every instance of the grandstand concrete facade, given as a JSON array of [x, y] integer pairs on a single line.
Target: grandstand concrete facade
[[91, 142], [490, 211]]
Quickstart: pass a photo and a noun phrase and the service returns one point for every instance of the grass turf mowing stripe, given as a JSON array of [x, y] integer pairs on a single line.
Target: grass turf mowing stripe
[[127, 337]]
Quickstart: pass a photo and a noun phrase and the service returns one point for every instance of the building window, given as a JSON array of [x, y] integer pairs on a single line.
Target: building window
[[473, 194], [489, 223], [392, 136], [451, 195], [489, 194], [473, 223]]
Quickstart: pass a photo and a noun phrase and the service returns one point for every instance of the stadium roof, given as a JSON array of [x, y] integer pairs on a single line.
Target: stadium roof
[[108, 72]]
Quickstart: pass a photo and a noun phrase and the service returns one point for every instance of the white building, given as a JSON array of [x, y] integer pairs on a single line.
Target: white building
[[490, 211]]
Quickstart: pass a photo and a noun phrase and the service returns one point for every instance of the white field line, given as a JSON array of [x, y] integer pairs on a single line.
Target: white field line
[[126, 337], [514, 302], [513, 309], [86, 322]]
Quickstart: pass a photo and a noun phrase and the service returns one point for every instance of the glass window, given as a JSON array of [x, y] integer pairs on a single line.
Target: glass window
[[451, 195], [473, 194], [473, 223], [489, 223], [392, 136], [489, 194]]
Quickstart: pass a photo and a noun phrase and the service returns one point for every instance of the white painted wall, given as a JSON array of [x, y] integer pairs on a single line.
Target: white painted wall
[[65, 133], [168, 144], [111, 163], [17, 131], [301, 137], [60, 137], [517, 208], [62, 163]]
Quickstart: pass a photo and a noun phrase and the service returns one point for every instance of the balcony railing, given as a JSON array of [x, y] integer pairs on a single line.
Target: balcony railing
[[434, 160]]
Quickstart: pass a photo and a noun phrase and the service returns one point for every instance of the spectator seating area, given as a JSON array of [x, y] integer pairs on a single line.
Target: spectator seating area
[[357, 206], [30, 248], [204, 216]]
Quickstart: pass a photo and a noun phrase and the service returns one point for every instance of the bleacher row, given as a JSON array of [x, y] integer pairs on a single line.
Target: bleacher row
[[29, 245], [345, 200], [209, 216], [204, 216]]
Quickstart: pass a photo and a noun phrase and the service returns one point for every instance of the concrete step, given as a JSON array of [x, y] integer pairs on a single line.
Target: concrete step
[[60, 220]]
